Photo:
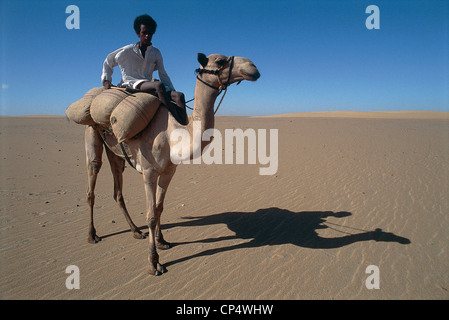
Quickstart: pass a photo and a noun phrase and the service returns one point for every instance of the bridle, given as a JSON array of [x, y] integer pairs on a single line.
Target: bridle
[[217, 72]]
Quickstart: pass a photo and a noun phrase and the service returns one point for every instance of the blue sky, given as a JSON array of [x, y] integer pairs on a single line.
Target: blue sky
[[313, 55]]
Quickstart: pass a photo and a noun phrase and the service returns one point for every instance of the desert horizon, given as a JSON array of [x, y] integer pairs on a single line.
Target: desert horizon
[[391, 114]]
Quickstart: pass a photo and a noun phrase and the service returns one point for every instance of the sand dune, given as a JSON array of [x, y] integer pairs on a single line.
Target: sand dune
[[350, 191]]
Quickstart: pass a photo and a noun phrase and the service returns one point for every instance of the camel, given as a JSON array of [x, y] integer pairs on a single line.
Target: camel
[[150, 150]]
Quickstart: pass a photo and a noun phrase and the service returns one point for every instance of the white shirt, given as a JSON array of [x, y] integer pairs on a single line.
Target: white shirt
[[134, 67]]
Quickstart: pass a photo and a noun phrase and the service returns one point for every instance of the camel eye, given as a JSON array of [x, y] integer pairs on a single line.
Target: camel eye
[[220, 62]]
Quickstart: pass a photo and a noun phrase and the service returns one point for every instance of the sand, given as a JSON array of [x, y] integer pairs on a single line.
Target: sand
[[306, 232]]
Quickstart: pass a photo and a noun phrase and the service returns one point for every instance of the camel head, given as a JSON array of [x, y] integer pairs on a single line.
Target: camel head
[[215, 70]]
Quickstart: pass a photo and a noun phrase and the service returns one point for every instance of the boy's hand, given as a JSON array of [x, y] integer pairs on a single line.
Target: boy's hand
[[107, 84]]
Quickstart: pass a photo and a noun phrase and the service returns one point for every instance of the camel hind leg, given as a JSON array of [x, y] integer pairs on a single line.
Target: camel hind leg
[[94, 151], [117, 167]]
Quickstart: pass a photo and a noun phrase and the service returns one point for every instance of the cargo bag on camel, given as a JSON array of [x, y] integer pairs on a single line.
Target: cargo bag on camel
[[125, 112]]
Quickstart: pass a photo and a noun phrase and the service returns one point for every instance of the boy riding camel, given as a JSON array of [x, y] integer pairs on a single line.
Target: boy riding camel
[[138, 62]]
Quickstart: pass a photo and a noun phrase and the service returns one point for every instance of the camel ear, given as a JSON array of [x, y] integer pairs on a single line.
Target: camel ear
[[202, 59]]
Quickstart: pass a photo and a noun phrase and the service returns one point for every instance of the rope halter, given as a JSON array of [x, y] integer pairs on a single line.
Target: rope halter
[[217, 72]]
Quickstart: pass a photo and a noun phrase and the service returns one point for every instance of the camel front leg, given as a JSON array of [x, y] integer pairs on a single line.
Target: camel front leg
[[150, 178], [162, 186]]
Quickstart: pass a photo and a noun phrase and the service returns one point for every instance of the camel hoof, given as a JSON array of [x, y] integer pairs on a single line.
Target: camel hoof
[[94, 239], [163, 245], [156, 272], [138, 235], [159, 270]]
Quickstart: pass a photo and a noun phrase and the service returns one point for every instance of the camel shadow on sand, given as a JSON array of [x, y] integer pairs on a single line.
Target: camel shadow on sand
[[274, 226]]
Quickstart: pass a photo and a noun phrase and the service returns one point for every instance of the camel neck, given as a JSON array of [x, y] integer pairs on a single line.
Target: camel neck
[[203, 109]]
